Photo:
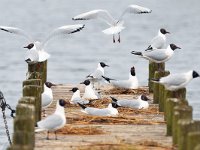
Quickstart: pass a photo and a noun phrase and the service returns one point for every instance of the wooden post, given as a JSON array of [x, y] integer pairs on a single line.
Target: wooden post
[[193, 139], [38, 71], [35, 91], [171, 103], [179, 94], [32, 82], [24, 130], [197, 147], [156, 93], [152, 68], [184, 127], [181, 111]]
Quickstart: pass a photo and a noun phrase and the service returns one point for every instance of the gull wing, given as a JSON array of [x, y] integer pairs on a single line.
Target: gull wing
[[157, 54], [157, 42], [135, 9], [96, 14], [63, 30], [16, 31], [51, 122], [175, 79]]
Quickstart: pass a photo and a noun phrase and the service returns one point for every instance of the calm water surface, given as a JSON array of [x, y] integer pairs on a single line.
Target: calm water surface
[[74, 56]]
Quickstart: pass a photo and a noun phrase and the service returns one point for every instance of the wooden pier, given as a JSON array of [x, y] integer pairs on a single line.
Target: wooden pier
[[133, 129], [166, 125]]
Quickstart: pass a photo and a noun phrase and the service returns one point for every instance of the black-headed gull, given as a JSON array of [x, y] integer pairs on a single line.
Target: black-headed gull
[[139, 103], [96, 76], [47, 95], [111, 110], [131, 83], [90, 93], [174, 82], [116, 26], [53, 122], [159, 41], [76, 98], [36, 51], [158, 55]]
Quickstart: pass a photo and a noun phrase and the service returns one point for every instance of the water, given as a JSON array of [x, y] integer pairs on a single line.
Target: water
[[75, 56]]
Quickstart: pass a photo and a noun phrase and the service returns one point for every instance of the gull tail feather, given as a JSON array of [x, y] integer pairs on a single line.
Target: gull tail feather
[[82, 106], [149, 48], [113, 99], [39, 129]]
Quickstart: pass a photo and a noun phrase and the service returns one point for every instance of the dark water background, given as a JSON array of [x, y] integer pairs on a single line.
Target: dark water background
[[74, 56]]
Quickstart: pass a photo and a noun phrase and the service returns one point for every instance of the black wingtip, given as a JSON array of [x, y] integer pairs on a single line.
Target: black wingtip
[[149, 48], [113, 99], [77, 30], [82, 106], [107, 79], [5, 30], [136, 53], [155, 80]]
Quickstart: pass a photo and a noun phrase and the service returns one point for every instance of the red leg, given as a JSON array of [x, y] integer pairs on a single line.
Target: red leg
[[55, 135], [47, 135]]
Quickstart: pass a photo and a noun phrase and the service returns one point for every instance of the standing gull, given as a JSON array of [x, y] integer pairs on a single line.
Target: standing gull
[[76, 98], [116, 26], [36, 51], [96, 76], [131, 83], [53, 122], [159, 41], [174, 82], [90, 93], [158, 55], [47, 95]]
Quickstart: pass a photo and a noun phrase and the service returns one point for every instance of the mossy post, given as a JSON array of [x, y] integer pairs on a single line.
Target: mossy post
[[179, 94], [171, 103], [152, 68], [193, 140], [24, 134], [184, 127], [182, 111], [32, 82], [35, 91], [156, 93], [197, 147], [38, 71]]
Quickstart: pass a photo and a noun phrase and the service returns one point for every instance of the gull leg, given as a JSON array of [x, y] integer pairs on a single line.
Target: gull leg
[[119, 40], [113, 38], [55, 135], [44, 113], [47, 135]]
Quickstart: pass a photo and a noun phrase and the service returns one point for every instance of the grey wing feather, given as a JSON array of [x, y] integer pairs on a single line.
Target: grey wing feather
[[50, 122], [157, 42], [16, 31], [63, 30], [175, 79], [94, 14], [158, 54]]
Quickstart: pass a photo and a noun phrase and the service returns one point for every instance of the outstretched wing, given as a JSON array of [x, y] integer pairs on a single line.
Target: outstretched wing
[[63, 30], [135, 9], [96, 14], [17, 31]]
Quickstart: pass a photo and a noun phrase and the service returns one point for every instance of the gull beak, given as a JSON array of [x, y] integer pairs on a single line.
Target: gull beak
[[167, 32], [82, 83]]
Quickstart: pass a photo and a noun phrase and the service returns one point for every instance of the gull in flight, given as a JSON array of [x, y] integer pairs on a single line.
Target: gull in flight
[[116, 26], [53, 122], [174, 82], [36, 52], [159, 41], [131, 83]]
